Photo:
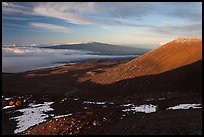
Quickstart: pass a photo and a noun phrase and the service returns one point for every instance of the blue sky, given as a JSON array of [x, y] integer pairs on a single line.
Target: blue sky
[[137, 24]]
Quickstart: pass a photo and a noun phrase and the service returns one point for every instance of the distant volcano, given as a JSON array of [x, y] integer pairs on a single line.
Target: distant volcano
[[102, 48], [172, 55]]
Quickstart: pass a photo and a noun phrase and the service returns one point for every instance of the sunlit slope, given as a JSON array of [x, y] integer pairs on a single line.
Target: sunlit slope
[[174, 54]]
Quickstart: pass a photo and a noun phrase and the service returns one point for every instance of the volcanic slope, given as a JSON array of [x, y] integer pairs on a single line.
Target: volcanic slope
[[172, 55]]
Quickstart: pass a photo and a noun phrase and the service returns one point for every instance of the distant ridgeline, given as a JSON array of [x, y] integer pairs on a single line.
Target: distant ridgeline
[[102, 48]]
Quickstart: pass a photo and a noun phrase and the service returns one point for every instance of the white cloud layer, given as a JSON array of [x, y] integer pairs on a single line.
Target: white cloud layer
[[51, 27]]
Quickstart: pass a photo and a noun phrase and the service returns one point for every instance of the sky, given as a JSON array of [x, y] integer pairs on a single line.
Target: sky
[[139, 24]]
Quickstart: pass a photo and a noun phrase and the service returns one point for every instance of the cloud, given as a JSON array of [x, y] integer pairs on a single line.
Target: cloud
[[12, 8], [10, 26], [86, 13], [15, 18], [19, 18], [125, 9], [190, 11], [178, 30], [5, 4], [51, 27], [63, 11], [182, 18], [102, 13], [83, 13], [191, 15], [105, 27]]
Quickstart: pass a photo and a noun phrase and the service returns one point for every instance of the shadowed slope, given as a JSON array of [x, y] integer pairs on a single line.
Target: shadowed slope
[[185, 79], [180, 81], [174, 54]]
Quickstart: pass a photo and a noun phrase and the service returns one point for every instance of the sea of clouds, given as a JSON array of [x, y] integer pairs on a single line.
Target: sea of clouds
[[23, 58]]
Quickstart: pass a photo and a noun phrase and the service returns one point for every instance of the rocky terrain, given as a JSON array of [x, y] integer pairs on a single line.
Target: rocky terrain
[[158, 93]]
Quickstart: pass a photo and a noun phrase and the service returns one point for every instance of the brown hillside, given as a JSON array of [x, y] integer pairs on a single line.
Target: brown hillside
[[177, 53]]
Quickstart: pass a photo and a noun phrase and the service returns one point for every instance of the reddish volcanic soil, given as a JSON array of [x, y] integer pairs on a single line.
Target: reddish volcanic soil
[[174, 54], [165, 77], [55, 81]]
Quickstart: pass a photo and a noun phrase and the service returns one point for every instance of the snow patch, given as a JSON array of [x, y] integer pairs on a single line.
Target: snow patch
[[185, 106], [142, 108], [162, 98], [127, 105], [31, 116], [63, 100], [6, 107], [62, 116], [7, 99], [98, 103]]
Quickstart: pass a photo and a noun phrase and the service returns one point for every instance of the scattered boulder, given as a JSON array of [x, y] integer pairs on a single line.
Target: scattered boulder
[[90, 73], [11, 103], [18, 103]]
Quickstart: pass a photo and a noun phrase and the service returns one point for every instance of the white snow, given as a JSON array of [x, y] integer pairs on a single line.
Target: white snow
[[104, 118], [31, 116], [150, 99], [162, 98], [111, 103], [52, 115], [127, 105], [62, 116], [7, 99], [185, 106], [6, 107], [142, 108], [98, 103], [63, 100], [186, 40]]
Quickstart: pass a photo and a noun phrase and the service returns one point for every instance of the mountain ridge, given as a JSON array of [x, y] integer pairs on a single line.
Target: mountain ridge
[[171, 55], [102, 48]]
